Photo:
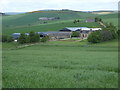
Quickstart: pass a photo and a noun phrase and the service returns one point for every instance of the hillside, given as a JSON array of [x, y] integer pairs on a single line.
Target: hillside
[[30, 21], [113, 18], [33, 18]]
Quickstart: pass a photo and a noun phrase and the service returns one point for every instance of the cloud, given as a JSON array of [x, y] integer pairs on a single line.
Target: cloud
[[29, 5]]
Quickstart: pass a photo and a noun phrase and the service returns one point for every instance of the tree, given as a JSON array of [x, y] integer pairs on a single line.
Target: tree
[[118, 33], [4, 38], [37, 37], [9, 39], [110, 27], [74, 21], [94, 37], [22, 39], [45, 39], [32, 36], [96, 19], [106, 35], [27, 39]]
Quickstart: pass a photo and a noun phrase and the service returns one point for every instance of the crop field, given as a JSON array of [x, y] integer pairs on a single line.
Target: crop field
[[55, 65], [68, 63]]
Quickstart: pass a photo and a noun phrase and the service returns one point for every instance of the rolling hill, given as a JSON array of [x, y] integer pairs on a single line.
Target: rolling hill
[[30, 21], [32, 18]]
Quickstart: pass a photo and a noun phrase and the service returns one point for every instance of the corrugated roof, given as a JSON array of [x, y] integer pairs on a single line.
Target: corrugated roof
[[75, 28], [16, 34]]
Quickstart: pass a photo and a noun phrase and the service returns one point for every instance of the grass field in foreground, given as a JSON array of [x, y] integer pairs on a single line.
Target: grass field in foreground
[[63, 66]]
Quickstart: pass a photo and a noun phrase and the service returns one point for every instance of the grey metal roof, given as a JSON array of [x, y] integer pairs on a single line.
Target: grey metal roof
[[16, 34]]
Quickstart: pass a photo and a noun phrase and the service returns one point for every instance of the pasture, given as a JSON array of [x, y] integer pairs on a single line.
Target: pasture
[[58, 64], [61, 65]]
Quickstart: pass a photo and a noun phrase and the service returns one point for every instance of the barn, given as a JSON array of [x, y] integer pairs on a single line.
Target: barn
[[84, 31], [55, 35], [17, 35]]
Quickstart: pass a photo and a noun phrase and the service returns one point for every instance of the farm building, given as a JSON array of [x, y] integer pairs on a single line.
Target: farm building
[[84, 31], [46, 18], [90, 20], [17, 35], [71, 29], [55, 35], [64, 33]]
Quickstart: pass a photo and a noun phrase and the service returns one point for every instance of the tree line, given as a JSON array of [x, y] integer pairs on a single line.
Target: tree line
[[106, 34], [31, 38]]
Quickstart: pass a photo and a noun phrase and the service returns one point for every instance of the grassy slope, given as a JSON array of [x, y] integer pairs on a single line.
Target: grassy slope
[[50, 66], [48, 27], [110, 18], [32, 18], [19, 23]]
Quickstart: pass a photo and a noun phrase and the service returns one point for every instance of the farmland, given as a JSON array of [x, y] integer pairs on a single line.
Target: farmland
[[42, 65], [58, 64], [29, 21]]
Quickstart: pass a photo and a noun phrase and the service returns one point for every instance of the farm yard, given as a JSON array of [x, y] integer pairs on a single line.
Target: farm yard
[[68, 63]]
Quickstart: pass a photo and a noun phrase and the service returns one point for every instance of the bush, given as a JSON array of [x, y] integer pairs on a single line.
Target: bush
[[110, 27], [45, 39], [22, 39], [37, 37], [75, 34], [118, 32], [4, 38], [9, 39], [27, 39], [106, 35], [94, 37], [33, 37]]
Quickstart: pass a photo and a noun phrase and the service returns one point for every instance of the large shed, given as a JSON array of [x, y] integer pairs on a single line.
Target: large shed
[[55, 35]]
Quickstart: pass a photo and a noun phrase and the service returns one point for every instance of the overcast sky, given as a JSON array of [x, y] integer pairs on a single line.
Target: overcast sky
[[79, 5]]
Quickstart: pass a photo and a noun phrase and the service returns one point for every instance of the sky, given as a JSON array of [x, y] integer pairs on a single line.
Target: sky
[[78, 5]]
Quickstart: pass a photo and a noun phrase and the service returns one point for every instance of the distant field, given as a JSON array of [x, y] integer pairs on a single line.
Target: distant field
[[61, 65], [32, 18], [20, 23], [110, 18]]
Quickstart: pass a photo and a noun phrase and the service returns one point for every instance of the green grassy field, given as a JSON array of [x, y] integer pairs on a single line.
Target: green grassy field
[[32, 18], [58, 64], [110, 18], [19, 23], [61, 66]]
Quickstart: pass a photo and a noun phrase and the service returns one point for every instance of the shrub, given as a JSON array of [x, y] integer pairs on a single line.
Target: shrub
[[37, 37], [106, 35], [4, 38], [45, 39], [94, 37], [27, 39], [9, 39], [22, 39], [110, 27], [32, 37]]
